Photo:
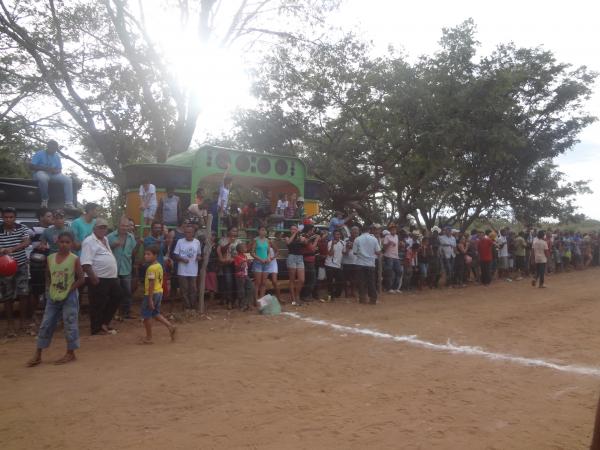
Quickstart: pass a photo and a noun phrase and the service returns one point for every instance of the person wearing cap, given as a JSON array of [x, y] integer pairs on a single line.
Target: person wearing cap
[[83, 226], [448, 251], [100, 267], [47, 167], [366, 249], [49, 237]]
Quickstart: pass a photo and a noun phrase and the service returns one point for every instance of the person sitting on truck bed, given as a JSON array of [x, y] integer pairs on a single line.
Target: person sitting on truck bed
[[46, 167]]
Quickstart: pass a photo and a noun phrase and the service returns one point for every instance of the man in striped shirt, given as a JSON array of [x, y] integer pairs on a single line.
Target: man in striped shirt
[[14, 239]]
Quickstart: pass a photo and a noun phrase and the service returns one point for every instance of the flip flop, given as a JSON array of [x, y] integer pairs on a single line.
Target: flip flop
[[65, 360], [144, 341], [34, 362]]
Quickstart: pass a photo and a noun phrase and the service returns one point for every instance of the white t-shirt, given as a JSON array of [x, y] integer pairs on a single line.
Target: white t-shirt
[[148, 196], [365, 248], [189, 250], [502, 246], [539, 250], [335, 260], [223, 198], [348, 257], [281, 206], [97, 253]]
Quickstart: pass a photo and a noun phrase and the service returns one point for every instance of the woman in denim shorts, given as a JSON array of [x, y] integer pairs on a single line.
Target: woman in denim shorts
[[295, 262]]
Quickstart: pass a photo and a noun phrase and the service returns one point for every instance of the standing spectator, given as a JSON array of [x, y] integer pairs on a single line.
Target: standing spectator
[[295, 263], [65, 277], [37, 261], [349, 267], [50, 235], [520, 245], [174, 235], [243, 284], [169, 209], [484, 248], [224, 190], [392, 265], [261, 254], [290, 212], [226, 252], [124, 247], [14, 239], [540, 254], [157, 238], [299, 208], [47, 167], [502, 245], [459, 266], [367, 249], [425, 255], [148, 201], [187, 252], [474, 255], [333, 265], [435, 260], [83, 226], [100, 266], [309, 253], [448, 250]]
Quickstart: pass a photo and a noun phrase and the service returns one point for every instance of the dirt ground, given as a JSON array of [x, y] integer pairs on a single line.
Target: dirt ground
[[245, 381]]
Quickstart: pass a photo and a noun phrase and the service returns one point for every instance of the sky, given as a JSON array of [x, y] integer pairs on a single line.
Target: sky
[[569, 29]]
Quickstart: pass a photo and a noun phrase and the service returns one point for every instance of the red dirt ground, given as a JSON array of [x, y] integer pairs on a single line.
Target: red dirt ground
[[242, 381]]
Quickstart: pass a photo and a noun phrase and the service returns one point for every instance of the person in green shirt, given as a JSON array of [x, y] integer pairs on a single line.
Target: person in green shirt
[[50, 235], [64, 277], [84, 225], [124, 246]]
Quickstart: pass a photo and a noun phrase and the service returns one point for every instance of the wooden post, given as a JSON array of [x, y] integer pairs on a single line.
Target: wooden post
[[205, 256]]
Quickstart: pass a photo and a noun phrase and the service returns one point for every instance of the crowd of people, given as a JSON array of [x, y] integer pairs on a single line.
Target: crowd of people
[[56, 262]]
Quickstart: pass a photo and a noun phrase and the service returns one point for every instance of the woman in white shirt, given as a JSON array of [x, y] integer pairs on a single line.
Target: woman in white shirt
[[148, 202]]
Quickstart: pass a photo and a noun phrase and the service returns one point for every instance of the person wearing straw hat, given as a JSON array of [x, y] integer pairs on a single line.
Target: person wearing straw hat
[[100, 266]]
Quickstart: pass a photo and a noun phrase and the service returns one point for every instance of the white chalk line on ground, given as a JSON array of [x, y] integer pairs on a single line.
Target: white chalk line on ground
[[451, 348]]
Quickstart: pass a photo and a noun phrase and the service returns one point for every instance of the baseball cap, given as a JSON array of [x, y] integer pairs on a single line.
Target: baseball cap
[[100, 222]]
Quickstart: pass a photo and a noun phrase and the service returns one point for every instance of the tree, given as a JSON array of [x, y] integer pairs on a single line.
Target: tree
[[110, 82], [449, 137]]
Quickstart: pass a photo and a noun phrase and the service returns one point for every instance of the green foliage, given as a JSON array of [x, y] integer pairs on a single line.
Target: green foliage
[[447, 138]]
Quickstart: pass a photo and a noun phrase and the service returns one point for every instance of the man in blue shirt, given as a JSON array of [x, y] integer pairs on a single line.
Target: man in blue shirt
[[46, 167]]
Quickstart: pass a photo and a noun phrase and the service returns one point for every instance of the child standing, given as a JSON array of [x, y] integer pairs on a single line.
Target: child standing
[[153, 291], [188, 251], [64, 277], [148, 202], [243, 285]]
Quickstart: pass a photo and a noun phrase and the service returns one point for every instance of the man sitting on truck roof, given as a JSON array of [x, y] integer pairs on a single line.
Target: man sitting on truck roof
[[46, 167]]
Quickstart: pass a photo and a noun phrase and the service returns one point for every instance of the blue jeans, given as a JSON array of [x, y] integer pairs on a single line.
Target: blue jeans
[[393, 271], [125, 282], [69, 310], [43, 178], [448, 264]]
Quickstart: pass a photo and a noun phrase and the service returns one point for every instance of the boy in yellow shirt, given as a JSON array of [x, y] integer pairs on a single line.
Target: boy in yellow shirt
[[153, 291]]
